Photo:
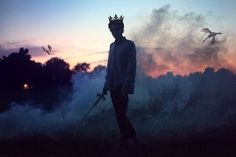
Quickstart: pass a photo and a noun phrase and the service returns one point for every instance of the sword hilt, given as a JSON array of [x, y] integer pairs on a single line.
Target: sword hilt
[[101, 96]]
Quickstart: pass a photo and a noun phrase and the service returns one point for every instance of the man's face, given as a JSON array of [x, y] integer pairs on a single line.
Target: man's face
[[116, 31]]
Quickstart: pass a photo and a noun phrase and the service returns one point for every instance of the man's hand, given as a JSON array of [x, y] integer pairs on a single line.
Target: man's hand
[[104, 91]]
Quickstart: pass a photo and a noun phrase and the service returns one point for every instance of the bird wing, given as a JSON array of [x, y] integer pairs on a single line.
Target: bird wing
[[206, 30], [50, 47], [45, 50]]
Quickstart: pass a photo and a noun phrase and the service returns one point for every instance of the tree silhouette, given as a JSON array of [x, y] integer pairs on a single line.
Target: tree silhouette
[[99, 68], [58, 72], [24, 79], [16, 69], [81, 67]]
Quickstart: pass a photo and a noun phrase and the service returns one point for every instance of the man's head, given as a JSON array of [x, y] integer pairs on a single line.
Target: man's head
[[116, 26]]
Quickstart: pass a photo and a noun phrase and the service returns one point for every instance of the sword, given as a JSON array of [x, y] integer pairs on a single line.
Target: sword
[[99, 98]]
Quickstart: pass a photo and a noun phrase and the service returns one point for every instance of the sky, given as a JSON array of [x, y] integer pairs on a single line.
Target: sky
[[77, 29]]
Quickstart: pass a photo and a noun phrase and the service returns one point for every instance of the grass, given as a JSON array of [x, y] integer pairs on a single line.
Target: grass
[[215, 145]]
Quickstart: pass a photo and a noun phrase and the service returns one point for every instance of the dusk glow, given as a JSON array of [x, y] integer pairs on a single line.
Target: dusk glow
[[77, 30]]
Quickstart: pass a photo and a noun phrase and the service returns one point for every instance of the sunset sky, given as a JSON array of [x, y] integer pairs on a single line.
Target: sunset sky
[[77, 29]]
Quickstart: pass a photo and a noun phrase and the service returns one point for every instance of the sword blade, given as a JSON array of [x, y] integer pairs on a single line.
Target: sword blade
[[91, 108]]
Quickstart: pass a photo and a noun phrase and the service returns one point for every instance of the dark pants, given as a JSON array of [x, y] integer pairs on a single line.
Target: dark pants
[[120, 105]]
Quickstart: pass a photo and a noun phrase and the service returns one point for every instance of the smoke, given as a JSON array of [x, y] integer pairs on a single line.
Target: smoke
[[29, 120], [173, 42], [163, 106], [166, 107]]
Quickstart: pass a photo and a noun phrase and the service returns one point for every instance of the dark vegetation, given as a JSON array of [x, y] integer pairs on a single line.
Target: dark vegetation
[[42, 146], [22, 79]]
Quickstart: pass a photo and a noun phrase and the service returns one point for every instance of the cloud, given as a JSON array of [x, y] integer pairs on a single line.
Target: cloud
[[173, 42], [5, 52], [34, 51]]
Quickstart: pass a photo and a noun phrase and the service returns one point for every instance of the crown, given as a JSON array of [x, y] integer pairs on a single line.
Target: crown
[[116, 18]]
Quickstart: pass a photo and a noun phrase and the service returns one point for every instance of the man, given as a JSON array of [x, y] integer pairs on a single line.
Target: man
[[120, 77]]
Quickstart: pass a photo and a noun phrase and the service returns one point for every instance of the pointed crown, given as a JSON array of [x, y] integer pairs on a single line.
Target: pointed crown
[[116, 21], [116, 18]]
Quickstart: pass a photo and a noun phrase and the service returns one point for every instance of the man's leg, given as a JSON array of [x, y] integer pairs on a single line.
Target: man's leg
[[120, 104]]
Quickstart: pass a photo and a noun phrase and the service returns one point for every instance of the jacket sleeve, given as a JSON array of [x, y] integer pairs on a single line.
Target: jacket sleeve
[[105, 82], [106, 75], [131, 69]]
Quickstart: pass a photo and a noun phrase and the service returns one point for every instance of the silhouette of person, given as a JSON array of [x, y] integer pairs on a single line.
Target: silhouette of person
[[120, 77]]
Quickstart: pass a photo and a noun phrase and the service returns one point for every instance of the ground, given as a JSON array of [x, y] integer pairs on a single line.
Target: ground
[[75, 146]]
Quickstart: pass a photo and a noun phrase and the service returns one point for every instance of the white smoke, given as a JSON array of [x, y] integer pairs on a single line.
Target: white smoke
[[173, 42], [165, 107], [20, 120]]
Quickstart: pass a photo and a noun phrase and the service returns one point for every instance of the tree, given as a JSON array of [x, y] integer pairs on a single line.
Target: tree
[[81, 67], [24, 79], [15, 69], [58, 72], [99, 68]]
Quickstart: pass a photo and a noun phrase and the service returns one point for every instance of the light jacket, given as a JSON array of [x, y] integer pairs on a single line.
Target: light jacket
[[121, 65]]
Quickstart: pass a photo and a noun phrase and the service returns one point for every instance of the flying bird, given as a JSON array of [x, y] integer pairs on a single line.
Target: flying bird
[[48, 51], [49, 47], [211, 35]]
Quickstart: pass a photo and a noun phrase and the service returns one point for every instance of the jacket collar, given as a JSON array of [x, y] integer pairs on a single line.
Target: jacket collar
[[118, 41]]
